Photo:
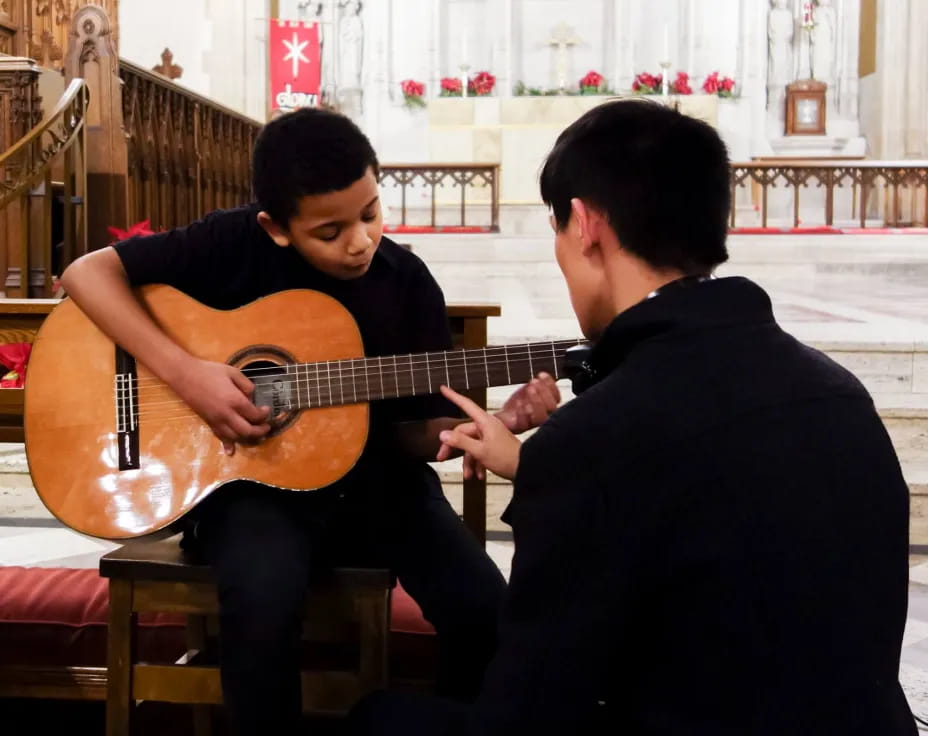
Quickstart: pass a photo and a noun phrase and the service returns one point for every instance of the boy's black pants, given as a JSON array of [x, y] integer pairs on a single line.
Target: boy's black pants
[[264, 544]]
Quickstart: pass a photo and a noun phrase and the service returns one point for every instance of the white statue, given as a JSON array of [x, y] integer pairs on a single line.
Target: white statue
[[781, 27], [350, 45], [824, 44]]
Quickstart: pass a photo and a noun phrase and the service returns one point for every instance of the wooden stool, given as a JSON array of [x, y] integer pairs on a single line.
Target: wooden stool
[[354, 604]]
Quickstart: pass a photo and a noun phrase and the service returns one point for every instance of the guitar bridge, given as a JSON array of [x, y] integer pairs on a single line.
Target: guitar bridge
[[127, 411]]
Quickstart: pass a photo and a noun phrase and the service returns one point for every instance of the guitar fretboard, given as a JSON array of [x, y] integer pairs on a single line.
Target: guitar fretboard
[[338, 382]]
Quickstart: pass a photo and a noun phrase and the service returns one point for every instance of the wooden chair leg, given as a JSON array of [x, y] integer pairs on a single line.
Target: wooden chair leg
[[196, 643], [374, 620], [120, 657]]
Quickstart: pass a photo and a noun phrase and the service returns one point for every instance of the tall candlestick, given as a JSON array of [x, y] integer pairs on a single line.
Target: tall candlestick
[[666, 56]]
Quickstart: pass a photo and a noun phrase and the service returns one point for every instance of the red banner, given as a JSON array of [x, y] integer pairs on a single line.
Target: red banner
[[294, 64]]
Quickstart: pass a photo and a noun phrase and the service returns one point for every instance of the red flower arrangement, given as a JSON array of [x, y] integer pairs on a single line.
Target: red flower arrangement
[[139, 228], [648, 84], [451, 87], [591, 83], [13, 360], [722, 87], [681, 85], [481, 84], [413, 92]]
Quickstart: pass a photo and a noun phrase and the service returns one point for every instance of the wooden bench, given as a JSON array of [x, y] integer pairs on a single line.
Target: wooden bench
[[350, 607]]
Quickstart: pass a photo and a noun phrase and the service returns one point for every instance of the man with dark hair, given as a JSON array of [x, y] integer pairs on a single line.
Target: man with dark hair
[[712, 538], [317, 224]]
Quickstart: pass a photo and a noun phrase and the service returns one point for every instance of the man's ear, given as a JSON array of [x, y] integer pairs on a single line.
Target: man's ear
[[589, 223], [275, 231]]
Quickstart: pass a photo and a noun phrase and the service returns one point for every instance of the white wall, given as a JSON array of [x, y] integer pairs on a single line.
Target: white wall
[[221, 45], [146, 28]]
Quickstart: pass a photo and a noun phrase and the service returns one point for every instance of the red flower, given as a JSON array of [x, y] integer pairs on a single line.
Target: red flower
[[648, 83], [139, 228], [411, 88], [711, 85], [450, 86], [481, 84], [592, 79], [13, 358], [715, 86], [681, 85]]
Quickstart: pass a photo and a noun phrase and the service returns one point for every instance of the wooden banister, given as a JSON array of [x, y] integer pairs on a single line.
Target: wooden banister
[[56, 145]]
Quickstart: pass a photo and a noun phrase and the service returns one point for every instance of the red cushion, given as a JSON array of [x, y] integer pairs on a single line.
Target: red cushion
[[407, 616], [57, 616]]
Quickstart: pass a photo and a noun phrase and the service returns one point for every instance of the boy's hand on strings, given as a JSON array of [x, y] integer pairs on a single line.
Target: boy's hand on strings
[[221, 395], [528, 407], [485, 439]]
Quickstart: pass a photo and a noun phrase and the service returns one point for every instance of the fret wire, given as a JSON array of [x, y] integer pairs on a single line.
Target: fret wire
[[466, 377], [328, 373], [412, 377], [396, 377], [447, 375], [486, 368], [428, 373], [506, 359], [367, 382]]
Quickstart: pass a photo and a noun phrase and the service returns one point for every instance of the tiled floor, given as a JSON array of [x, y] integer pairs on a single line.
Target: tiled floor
[[837, 289]]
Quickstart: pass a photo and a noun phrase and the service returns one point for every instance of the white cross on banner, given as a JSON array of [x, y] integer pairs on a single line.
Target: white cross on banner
[[294, 64]]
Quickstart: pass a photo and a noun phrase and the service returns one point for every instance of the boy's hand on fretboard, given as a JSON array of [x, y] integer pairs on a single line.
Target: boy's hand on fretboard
[[528, 407]]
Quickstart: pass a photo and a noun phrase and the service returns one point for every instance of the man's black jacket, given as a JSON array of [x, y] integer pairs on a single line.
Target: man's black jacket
[[710, 540]]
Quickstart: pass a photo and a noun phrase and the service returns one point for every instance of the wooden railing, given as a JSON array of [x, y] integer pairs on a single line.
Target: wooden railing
[[26, 194], [188, 155], [425, 197], [871, 193]]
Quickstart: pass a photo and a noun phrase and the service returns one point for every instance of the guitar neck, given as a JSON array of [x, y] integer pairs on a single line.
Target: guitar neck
[[339, 382]]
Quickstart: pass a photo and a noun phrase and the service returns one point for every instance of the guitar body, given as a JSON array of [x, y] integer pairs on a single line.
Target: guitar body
[[73, 440]]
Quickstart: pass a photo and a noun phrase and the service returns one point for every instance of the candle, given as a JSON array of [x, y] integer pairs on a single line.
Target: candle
[[666, 56], [463, 48]]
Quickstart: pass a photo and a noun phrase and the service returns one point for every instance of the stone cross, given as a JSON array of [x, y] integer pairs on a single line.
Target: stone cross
[[167, 67], [562, 39]]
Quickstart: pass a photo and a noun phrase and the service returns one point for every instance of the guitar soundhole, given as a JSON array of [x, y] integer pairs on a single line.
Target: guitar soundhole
[[266, 367]]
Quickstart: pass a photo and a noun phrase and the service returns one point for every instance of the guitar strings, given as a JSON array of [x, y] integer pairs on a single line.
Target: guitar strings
[[324, 371], [332, 385], [466, 355]]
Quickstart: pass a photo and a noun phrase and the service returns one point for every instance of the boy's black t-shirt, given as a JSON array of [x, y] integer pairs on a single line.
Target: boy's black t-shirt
[[226, 260]]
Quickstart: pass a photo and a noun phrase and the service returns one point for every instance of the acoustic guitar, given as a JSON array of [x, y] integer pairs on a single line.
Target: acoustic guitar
[[115, 453]]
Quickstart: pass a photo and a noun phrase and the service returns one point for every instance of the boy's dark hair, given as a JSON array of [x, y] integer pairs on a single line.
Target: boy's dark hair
[[309, 151], [661, 178]]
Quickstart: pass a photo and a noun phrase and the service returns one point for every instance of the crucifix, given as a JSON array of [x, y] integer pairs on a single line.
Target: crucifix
[[562, 39], [167, 67]]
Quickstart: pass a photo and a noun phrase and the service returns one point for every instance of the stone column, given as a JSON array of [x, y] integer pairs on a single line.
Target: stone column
[[847, 93], [624, 70], [894, 98]]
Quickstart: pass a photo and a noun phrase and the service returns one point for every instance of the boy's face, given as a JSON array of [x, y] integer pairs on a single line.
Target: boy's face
[[338, 232]]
